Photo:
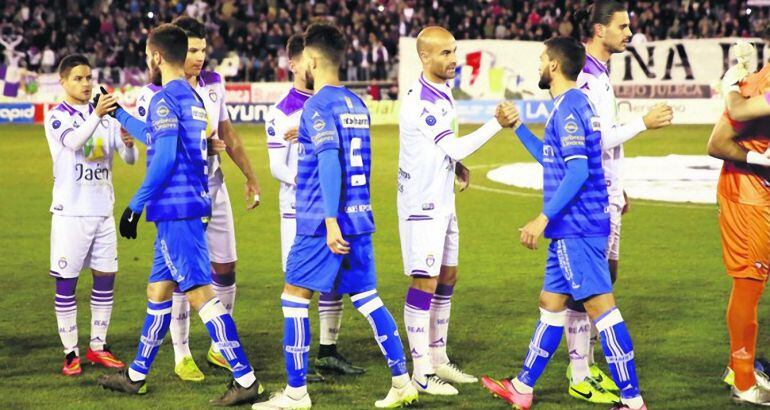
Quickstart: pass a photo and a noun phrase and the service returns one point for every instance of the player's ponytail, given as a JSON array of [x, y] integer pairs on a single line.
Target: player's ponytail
[[600, 12]]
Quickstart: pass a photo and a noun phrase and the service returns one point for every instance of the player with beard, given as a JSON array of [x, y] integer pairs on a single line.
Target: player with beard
[[605, 26], [175, 193], [576, 219]]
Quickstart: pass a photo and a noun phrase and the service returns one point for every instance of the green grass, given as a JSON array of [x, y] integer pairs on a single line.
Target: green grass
[[672, 289]]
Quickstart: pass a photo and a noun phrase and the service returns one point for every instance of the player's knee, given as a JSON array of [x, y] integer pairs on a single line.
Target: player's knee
[[448, 275], [553, 302], [425, 284], [223, 268], [100, 273], [599, 304], [297, 291], [160, 291]]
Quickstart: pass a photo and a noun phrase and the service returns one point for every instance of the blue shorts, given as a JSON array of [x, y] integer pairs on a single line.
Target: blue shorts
[[578, 267], [181, 254], [311, 265]]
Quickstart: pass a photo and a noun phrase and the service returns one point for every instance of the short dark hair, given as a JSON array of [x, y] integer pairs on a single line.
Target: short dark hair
[[192, 27], [570, 54], [170, 41], [295, 45], [328, 39], [71, 61], [600, 12]]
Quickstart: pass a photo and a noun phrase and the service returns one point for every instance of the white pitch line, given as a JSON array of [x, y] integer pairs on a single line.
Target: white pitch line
[[539, 195]]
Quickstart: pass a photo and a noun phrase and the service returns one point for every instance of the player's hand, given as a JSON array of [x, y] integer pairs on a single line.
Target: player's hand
[[531, 232], [291, 135], [128, 141], [128, 223], [659, 116], [105, 104], [334, 240], [463, 176], [742, 50], [507, 114], [627, 206], [214, 146], [252, 194]]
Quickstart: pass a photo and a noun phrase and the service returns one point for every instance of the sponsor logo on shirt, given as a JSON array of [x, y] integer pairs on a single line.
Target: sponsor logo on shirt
[[354, 121], [571, 127], [430, 120], [142, 111], [162, 110], [199, 114], [56, 124], [573, 141], [271, 131], [319, 124]]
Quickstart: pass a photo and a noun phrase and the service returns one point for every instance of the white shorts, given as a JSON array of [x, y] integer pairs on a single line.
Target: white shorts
[[288, 232], [427, 243], [79, 242], [220, 233], [613, 246]]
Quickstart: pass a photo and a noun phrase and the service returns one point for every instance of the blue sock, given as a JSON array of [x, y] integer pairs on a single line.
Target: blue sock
[[296, 338], [385, 330], [155, 327], [619, 352], [223, 332], [544, 342]]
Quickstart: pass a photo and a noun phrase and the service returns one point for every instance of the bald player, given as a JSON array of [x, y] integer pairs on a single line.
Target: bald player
[[429, 160]]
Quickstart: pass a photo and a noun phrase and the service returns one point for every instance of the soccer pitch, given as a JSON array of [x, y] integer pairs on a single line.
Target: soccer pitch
[[672, 289]]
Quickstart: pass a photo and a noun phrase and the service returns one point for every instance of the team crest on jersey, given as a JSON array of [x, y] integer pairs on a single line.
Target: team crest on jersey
[[271, 131], [142, 111], [213, 96], [430, 260], [571, 127], [430, 120], [162, 110], [62, 263], [199, 114], [319, 124]]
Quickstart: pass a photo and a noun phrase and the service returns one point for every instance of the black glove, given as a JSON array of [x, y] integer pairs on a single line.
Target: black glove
[[128, 223], [112, 113]]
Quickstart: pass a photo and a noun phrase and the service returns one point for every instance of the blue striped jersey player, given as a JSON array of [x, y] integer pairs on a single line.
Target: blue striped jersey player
[[575, 217], [333, 248], [175, 194]]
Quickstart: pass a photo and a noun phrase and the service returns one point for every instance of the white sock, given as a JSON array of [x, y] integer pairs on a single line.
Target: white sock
[[226, 295], [634, 403], [440, 309], [417, 331], [135, 376], [67, 321], [247, 379], [400, 380], [180, 326], [594, 341], [330, 319], [521, 387], [295, 393], [578, 327], [101, 311]]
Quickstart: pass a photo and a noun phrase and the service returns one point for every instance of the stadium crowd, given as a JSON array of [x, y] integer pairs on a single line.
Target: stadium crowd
[[112, 33]]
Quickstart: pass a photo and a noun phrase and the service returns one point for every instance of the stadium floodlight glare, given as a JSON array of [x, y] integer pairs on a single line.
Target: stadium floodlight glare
[[150, 15]]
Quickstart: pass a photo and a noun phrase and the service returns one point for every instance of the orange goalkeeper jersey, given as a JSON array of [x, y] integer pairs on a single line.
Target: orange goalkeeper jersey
[[741, 182]]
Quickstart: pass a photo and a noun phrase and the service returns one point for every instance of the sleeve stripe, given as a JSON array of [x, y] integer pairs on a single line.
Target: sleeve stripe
[[275, 145], [441, 136], [64, 134], [571, 157]]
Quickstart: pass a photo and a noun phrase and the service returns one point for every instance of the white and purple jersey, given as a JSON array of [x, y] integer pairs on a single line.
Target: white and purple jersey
[[282, 117], [594, 81], [211, 89]]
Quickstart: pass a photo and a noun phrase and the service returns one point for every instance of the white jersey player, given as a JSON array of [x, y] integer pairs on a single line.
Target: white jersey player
[[607, 28], [429, 155], [83, 140], [220, 233], [281, 125]]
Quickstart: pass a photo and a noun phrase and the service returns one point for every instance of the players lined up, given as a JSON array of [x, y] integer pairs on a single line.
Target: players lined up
[[332, 251]]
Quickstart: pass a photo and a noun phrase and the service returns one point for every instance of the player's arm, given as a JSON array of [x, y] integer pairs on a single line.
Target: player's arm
[[76, 138], [327, 149], [165, 137], [460, 148], [277, 151], [722, 145], [575, 156], [531, 142], [745, 109], [136, 127]]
